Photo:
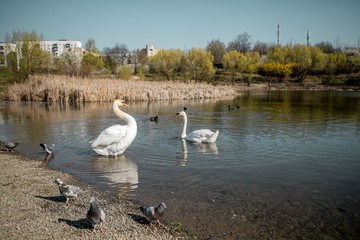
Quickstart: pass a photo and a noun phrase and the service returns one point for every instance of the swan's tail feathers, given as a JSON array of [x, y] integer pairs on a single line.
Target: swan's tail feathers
[[214, 136]]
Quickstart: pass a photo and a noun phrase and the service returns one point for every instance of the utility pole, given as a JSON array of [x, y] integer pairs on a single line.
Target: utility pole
[[307, 38], [278, 33]]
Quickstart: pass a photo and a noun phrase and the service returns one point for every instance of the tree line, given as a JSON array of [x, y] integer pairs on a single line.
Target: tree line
[[238, 60]]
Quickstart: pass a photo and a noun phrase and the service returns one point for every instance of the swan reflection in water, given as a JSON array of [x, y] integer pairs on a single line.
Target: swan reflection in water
[[206, 148], [120, 171]]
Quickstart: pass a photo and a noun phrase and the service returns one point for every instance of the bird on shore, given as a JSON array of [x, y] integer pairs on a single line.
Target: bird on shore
[[9, 146], [95, 215], [116, 139], [154, 119], [154, 213], [68, 191], [198, 136], [48, 148]]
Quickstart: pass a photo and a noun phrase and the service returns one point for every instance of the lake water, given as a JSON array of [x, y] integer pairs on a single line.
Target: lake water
[[285, 165]]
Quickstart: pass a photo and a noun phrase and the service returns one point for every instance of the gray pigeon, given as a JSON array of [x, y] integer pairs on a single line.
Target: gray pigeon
[[95, 215], [10, 146], [68, 191], [154, 213], [48, 149]]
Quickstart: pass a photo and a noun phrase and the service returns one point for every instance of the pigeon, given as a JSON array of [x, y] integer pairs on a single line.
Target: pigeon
[[48, 149], [154, 213], [10, 146], [68, 191], [154, 119], [95, 215]]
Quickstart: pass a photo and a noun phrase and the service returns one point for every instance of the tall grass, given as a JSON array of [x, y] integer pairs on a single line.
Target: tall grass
[[54, 88]]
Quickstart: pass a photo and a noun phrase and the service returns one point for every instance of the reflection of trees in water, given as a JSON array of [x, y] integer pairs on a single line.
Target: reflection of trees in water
[[210, 148], [119, 170], [50, 121], [39, 111]]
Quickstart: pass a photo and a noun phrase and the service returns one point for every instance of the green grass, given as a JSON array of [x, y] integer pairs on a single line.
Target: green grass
[[179, 227], [5, 79]]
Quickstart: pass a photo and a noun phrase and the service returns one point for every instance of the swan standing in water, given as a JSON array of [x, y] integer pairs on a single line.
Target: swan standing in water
[[115, 139], [198, 136]]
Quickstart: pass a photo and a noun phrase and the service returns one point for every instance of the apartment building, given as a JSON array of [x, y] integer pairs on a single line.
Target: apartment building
[[59, 47], [5, 49], [150, 50]]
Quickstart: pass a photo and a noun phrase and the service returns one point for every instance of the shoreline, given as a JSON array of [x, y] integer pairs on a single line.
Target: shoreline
[[32, 207], [75, 90]]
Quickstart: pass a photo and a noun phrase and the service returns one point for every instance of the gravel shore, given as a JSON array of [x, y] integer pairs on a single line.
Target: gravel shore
[[32, 207]]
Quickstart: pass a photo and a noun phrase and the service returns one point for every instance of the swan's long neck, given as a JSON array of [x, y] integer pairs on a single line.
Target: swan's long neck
[[130, 121], [183, 134]]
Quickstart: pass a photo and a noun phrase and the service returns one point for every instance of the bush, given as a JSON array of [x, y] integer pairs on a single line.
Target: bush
[[124, 73], [278, 70]]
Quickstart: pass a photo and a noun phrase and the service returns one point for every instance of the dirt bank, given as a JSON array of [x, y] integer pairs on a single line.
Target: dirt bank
[[32, 208]]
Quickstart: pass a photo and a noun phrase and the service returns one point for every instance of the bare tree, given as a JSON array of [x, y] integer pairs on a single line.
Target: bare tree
[[91, 46], [261, 47], [115, 56], [338, 45], [326, 47], [121, 51], [241, 43], [217, 49], [110, 60]]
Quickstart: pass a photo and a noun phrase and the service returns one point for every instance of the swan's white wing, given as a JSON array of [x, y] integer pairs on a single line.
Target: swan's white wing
[[110, 135], [202, 135]]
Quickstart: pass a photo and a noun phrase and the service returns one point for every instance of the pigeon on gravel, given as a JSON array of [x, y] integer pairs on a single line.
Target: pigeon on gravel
[[68, 191], [10, 146], [154, 213], [49, 149], [95, 215]]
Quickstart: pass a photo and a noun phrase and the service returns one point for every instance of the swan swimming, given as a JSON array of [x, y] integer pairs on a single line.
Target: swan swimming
[[116, 139], [198, 136]]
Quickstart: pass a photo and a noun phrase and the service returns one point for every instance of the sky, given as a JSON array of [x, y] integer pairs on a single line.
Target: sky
[[183, 24]]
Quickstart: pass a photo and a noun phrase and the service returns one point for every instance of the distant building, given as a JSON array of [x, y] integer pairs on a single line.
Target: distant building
[[59, 47], [56, 48], [79, 52], [150, 50], [5, 49], [352, 52]]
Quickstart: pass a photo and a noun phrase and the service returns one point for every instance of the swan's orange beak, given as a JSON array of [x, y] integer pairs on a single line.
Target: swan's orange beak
[[177, 115], [123, 102]]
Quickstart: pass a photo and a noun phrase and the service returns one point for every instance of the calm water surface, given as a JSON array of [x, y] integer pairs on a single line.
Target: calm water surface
[[282, 159]]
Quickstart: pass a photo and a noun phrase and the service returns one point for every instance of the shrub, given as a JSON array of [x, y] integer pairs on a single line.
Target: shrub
[[124, 73]]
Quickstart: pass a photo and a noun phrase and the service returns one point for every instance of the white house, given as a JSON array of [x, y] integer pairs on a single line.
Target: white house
[[149, 50], [59, 47], [5, 49]]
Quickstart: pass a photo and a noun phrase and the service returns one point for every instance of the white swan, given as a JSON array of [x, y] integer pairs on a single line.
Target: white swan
[[198, 136], [115, 139]]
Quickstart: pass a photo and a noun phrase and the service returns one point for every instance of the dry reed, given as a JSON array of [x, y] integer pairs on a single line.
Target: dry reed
[[54, 88]]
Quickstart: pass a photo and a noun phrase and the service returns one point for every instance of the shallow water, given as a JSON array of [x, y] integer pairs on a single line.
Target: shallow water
[[283, 160]]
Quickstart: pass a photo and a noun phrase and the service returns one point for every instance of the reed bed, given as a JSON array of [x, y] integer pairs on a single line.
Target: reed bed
[[54, 88]]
